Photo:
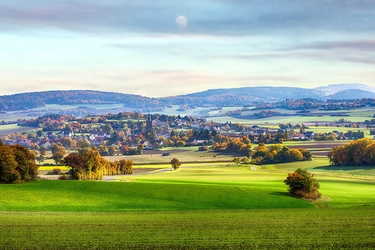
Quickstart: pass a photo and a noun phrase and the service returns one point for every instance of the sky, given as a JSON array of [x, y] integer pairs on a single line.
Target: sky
[[168, 47]]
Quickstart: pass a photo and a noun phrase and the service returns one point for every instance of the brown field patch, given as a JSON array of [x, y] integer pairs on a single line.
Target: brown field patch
[[323, 145]]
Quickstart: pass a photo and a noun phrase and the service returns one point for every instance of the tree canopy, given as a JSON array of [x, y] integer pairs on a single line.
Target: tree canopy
[[175, 163], [302, 184], [278, 154], [356, 153], [89, 165], [17, 164]]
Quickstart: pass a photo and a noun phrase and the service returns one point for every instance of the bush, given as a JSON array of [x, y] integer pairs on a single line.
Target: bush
[[302, 184], [64, 177], [56, 171]]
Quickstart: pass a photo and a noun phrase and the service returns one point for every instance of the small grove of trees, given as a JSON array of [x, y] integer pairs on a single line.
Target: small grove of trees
[[17, 164], [236, 145], [356, 153], [278, 154], [302, 184], [89, 165]]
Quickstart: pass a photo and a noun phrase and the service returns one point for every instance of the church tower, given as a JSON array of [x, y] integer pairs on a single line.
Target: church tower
[[148, 123]]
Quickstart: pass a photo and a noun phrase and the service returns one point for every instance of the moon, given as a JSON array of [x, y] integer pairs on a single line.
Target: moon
[[181, 21]]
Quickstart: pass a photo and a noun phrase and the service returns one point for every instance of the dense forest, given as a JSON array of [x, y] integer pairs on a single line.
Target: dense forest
[[39, 99]]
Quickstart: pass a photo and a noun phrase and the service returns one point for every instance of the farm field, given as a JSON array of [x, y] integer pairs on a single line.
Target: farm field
[[209, 203], [11, 128], [350, 228], [186, 154], [201, 205], [317, 116], [191, 154]]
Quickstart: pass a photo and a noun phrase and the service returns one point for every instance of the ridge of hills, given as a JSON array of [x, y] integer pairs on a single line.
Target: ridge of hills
[[212, 97], [352, 94], [335, 88]]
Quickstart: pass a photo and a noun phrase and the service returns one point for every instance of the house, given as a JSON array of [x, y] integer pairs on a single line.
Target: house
[[26, 143], [195, 142], [309, 135], [66, 133], [45, 143], [51, 134], [207, 128]]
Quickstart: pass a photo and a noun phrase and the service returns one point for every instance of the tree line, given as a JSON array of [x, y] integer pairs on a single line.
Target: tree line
[[279, 154], [17, 164], [356, 153]]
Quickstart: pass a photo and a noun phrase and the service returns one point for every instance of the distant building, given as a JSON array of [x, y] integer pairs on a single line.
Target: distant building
[[148, 123]]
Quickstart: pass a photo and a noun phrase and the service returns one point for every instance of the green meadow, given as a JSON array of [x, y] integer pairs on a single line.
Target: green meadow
[[200, 206], [350, 228]]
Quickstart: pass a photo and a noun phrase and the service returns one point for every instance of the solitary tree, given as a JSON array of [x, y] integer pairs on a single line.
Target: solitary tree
[[58, 153], [111, 150], [175, 163], [302, 184]]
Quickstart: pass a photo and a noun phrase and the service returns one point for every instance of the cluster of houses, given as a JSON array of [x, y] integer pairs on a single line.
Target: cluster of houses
[[48, 139], [164, 129]]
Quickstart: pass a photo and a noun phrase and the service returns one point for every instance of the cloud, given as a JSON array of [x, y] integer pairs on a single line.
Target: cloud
[[357, 60], [359, 45], [216, 17]]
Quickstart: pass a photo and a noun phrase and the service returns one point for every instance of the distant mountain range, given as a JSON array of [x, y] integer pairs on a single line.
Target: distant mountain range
[[335, 88], [212, 97]]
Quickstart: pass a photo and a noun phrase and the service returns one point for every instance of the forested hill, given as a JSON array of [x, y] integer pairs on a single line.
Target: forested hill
[[246, 95], [40, 99], [214, 97], [352, 94]]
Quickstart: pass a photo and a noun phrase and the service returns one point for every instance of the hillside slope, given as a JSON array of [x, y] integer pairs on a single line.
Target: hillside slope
[[351, 94], [213, 97], [335, 88]]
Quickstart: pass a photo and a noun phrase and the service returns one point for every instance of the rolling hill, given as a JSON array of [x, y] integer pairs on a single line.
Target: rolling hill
[[213, 97], [351, 94], [335, 88]]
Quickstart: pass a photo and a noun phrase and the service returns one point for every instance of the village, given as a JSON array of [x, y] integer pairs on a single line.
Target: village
[[130, 133]]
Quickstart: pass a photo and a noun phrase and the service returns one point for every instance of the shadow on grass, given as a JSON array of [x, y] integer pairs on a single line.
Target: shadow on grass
[[344, 168], [280, 193]]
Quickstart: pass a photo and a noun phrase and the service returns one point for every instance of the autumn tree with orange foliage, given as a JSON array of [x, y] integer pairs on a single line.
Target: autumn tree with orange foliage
[[89, 165], [302, 184], [17, 164], [356, 153]]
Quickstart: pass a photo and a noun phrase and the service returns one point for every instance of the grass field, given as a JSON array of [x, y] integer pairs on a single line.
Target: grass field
[[186, 154], [199, 206], [254, 229], [11, 128]]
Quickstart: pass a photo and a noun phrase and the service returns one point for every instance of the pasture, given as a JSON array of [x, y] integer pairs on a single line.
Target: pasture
[[201, 205], [186, 154], [350, 228], [12, 128]]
